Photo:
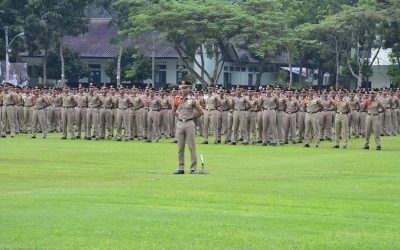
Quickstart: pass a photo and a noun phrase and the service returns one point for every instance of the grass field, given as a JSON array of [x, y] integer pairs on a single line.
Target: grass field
[[114, 195]]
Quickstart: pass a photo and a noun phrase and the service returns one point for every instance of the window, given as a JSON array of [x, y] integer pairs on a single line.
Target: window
[[160, 76], [231, 68], [250, 79], [243, 69], [225, 68], [237, 69], [95, 73], [227, 80], [251, 70]]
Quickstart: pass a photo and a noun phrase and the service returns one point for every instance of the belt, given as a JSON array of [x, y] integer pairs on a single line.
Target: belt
[[39, 108], [312, 112], [165, 108], [328, 109], [239, 109], [373, 114], [8, 105], [69, 107], [123, 108], [223, 110], [156, 110], [81, 107], [29, 106], [136, 109], [252, 110], [342, 113], [105, 108], [210, 109], [268, 108], [185, 120], [291, 112], [21, 105], [353, 109]]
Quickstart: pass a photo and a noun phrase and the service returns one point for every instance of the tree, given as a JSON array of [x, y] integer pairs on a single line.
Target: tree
[[195, 29], [61, 17]]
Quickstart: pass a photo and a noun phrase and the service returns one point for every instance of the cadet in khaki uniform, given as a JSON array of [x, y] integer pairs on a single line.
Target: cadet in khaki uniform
[[93, 114], [28, 111], [363, 114], [124, 114], [1, 111], [185, 128], [252, 117], [395, 105], [239, 104], [343, 109], [67, 113], [211, 102], [55, 111], [8, 116], [354, 116], [105, 115], [153, 119], [301, 116], [19, 110], [230, 118], [222, 116], [313, 106], [374, 107], [290, 120], [165, 114], [386, 117], [280, 115], [136, 122], [39, 115], [269, 104], [326, 117], [81, 111]]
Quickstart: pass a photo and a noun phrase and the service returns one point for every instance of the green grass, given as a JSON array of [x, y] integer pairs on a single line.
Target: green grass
[[114, 195]]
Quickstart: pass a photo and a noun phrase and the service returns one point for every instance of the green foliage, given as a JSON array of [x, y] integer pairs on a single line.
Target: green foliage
[[135, 66]]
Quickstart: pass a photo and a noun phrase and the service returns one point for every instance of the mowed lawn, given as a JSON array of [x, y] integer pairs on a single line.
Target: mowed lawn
[[115, 195]]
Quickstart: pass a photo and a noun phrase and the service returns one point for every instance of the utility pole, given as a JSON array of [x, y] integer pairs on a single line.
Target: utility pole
[[7, 58]]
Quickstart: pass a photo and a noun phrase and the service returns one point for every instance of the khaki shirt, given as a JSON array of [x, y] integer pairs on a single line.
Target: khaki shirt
[[56, 101], [341, 107], [137, 102], [187, 108], [82, 101], [123, 102], [373, 108], [328, 104], [9, 98], [269, 102], [68, 101], [292, 106], [239, 103], [94, 101], [211, 102], [29, 101], [313, 105], [107, 102], [40, 102]]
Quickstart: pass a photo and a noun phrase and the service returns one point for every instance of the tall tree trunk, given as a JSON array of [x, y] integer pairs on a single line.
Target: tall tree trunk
[[259, 75], [119, 67], [45, 67], [62, 59], [301, 72], [360, 72], [289, 57], [337, 63]]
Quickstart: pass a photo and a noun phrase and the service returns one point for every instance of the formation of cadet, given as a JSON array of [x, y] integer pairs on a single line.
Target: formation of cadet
[[269, 116]]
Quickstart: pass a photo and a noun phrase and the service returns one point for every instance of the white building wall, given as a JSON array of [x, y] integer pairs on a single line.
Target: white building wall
[[380, 78]]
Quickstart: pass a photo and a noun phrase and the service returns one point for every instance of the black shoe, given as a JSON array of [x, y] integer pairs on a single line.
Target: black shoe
[[378, 148], [294, 142], [148, 141], [300, 141], [273, 144], [3, 136], [329, 139], [119, 139], [233, 143], [216, 142], [245, 143], [193, 172], [179, 172], [283, 143], [306, 145], [63, 138], [88, 138], [33, 137], [174, 141], [286, 142], [317, 146], [322, 139], [259, 141], [345, 147], [78, 137], [126, 140], [366, 147], [204, 142], [264, 144], [241, 139], [336, 146]]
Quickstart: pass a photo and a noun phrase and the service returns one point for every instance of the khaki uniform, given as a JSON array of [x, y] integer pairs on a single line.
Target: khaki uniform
[[222, 119], [19, 113], [165, 117], [93, 116], [210, 116], [185, 132], [105, 117], [55, 113], [39, 116], [342, 122], [28, 113], [68, 115], [326, 119], [239, 118], [137, 115], [395, 122], [290, 120], [373, 123], [363, 118], [8, 116], [1, 114], [311, 120], [252, 120], [301, 119], [123, 117], [354, 118], [386, 117], [81, 113], [279, 119], [153, 120], [269, 119]]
